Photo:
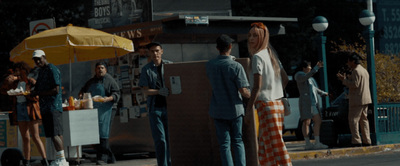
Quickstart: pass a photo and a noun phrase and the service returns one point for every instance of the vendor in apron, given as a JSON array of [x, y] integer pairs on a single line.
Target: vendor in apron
[[103, 86]]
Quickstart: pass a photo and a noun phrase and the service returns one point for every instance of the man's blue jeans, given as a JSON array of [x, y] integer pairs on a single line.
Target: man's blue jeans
[[230, 131], [159, 130]]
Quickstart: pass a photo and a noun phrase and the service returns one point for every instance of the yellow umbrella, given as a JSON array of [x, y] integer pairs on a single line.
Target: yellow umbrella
[[64, 45]]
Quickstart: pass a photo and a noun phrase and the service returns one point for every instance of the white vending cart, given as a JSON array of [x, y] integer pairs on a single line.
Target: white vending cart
[[80, 128]]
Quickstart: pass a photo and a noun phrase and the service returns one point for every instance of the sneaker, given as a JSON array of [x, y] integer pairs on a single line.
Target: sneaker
[[111, 159], [59, 162], [64, 163], [44, 162], [319, 145], [55, 163], [309, 146], [100, 162], [26, 162]]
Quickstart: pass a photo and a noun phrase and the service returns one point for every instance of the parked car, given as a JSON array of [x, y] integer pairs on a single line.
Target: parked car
[[292, 122], [337, 112]]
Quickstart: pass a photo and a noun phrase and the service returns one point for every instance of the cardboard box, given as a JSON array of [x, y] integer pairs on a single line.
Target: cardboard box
[[192, 131]]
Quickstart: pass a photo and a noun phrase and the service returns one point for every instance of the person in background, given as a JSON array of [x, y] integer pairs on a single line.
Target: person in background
[[143, 57], [9, 82], [104, 86], [153, 85], [309, 103], [266, 93], [48, 88], [359, 99], [228, 81]]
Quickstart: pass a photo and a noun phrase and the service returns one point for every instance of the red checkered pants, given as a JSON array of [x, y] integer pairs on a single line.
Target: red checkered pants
[[271, 148]]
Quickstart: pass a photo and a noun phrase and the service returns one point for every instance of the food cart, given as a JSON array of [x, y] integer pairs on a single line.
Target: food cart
[[80, 128], [10, 141]]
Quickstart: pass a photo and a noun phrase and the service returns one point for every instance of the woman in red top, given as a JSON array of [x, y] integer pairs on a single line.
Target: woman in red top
[[28, 114]]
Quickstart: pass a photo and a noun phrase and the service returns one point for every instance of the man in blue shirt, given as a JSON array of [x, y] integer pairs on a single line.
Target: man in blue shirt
[[48, 87], [229, 82], [153, 85]]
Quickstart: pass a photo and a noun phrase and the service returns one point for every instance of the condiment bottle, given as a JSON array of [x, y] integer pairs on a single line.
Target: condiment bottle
[[71, 102]]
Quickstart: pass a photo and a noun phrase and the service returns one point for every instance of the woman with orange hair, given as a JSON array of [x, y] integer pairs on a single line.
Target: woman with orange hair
[[267, 90], [28, 114]]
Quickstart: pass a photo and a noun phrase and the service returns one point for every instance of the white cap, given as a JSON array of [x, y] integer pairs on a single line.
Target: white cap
[[38, 54]]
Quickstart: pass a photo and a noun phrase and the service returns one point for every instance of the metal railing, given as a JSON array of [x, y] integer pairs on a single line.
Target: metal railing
[[388, 117], [387, 121]]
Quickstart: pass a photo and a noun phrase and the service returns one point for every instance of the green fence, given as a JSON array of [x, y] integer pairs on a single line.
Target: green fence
[[387, 123]]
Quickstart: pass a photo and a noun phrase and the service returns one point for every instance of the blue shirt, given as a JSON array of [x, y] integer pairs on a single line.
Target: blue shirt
[[226, 76], [49, 77], [148, 78]]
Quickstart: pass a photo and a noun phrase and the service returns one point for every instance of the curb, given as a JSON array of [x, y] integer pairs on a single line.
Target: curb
[[341, 152]]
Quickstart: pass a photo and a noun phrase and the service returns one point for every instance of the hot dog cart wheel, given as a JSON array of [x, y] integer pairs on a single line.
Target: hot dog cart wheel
[[11, 157]]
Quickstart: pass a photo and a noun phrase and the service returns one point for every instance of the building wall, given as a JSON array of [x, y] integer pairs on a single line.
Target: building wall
[[193, 52], [167, 8]]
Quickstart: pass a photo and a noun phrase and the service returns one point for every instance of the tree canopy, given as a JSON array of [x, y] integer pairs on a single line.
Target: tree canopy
[[299, 43], [16, 15]]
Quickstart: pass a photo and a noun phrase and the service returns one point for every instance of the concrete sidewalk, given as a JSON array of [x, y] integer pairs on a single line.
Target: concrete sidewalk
[[297, 152]]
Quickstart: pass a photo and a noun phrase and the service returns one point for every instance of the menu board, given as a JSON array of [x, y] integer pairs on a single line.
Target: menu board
[[388, 26], [8, 134]]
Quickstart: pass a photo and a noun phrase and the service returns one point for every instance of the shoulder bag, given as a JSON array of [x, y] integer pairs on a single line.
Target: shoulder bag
[[286, 104], [285, 100]]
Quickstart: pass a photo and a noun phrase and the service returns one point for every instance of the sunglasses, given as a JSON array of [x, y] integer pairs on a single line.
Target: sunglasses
[[258, 25]]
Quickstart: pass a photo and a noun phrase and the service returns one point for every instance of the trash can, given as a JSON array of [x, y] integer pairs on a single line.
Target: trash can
[[328, 135]]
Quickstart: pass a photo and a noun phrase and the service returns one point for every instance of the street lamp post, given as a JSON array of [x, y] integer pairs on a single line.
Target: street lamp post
[[367, 18], [320, 24]]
